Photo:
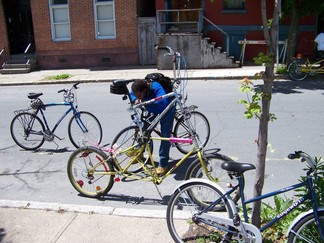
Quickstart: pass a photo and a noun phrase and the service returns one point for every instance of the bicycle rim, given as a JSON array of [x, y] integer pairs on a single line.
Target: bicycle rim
[[27, 131], [89, 172], [127, 138], [184, 204], [215, 172], [306, 230], [295, 71], [201, 128], [84, 130]]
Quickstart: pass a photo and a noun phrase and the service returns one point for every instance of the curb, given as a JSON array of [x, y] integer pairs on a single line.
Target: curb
[[111, 80], [126, 212]]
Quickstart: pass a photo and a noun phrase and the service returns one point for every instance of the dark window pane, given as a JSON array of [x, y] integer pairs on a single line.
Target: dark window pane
[[60, 2], [233, 4]]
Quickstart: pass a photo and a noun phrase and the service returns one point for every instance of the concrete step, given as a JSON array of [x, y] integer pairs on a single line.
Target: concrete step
[[15, 70], [16, 65]]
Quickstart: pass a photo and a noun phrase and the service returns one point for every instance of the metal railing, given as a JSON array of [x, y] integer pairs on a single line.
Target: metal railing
[[223, 32], [184, 21], [3, 57], [27, 60], [179, 20]]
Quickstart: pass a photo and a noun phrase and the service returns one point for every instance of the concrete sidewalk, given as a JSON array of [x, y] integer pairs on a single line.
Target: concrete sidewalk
[[30, 225], [106, 75]]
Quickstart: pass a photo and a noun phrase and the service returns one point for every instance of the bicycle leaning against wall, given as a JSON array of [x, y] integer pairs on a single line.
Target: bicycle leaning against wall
[[29, 128], [302, 67]]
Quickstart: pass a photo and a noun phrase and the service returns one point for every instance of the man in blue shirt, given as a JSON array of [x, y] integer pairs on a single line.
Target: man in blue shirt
[[142, 91]]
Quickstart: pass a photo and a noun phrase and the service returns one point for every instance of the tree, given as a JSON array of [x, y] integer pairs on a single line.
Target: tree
[[270, 31]]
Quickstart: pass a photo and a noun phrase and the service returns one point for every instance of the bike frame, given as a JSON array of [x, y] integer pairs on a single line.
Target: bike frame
[[152, 176], [172, 105], [310, 195], [71, 108], [312, 67]]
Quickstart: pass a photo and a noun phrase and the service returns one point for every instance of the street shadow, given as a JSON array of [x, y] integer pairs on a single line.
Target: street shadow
[[2, 234], [135, 200], [295, 87], [53, 151]]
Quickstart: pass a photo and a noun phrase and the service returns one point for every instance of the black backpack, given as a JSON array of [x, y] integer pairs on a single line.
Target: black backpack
[[164, 81]]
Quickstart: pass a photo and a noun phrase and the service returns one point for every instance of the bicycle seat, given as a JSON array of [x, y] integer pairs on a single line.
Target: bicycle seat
[[232, 166], [120, 82], [34, 95]]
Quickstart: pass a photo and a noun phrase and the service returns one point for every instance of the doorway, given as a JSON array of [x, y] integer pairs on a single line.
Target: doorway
[[19, 25]]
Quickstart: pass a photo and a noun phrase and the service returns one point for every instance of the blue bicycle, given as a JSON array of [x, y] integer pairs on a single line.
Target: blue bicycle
[[193, 213], [30, 130]]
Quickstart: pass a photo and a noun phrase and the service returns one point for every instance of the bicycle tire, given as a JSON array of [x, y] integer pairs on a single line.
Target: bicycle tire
[[125, 139], [201, 127], [25, 137], [306, 230], [87, 171], [295, 71], [182, 207], [79, 138], [215, 172]]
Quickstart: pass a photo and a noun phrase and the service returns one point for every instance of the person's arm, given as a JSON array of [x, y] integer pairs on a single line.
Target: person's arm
[[159, 105]]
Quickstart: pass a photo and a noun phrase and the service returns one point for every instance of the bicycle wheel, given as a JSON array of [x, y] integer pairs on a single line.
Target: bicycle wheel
[[27, 130], [125, 139], [295, 71], [201, 127], [84, 129], [88, 171], [215, 172], [185, 203], [306, 230]]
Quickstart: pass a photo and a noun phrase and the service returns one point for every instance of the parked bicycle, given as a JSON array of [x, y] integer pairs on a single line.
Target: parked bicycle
[[93, 171], [30, 130], [300, 68], [192, 210]]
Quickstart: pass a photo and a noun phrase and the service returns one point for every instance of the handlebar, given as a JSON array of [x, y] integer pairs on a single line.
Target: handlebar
[[304, 157], [166, 48], [75, 86]]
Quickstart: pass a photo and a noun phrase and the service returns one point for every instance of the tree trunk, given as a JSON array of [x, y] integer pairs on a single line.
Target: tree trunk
[[293, 32], [271, 38]]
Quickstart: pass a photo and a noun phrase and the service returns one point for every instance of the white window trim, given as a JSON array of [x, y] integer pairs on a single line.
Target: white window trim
[[58, 6], [96, 21]]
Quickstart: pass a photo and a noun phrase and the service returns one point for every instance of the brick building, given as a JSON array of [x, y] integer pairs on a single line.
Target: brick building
[[104, 33], [71, 33]]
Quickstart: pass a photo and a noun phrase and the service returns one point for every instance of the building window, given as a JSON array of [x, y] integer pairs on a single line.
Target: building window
[[105, 19], [60, 20], [234, 5]]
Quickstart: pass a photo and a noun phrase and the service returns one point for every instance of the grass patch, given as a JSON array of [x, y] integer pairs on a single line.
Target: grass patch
[[281, 70], [60, 76]]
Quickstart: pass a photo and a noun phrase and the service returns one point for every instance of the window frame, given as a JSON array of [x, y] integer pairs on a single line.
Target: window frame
[[234, 10], [54, 7], [99, 3]]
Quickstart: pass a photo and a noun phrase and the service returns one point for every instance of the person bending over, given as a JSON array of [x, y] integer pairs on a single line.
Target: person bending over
[[143, 91]]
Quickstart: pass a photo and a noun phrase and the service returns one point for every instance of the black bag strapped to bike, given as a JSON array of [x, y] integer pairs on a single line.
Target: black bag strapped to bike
[[164, 81]]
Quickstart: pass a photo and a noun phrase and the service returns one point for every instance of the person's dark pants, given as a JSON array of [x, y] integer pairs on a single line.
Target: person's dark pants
[[166, 127]]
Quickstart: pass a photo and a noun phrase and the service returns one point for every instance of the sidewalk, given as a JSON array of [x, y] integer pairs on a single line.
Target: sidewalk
[[37, 222], [106, 75]]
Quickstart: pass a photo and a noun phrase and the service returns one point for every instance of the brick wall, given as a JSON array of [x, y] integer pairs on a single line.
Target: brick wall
[[84, 50], [3, 36]]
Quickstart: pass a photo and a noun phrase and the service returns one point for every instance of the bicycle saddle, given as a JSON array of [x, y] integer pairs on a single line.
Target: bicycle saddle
[[34, 95], [120, 82], [237, 167]]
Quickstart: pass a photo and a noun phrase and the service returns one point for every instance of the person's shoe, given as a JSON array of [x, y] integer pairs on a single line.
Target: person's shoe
[[161, 170]]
